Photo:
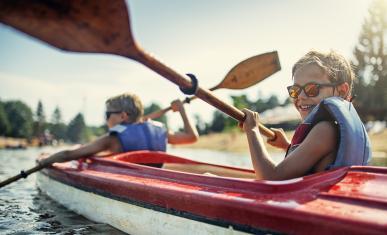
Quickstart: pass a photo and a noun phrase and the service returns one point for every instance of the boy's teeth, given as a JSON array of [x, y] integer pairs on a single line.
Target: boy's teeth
[[305, 106]]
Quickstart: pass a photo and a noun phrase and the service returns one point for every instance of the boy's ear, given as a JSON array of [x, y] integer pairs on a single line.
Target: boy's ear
[[124, 116], [343, 90]]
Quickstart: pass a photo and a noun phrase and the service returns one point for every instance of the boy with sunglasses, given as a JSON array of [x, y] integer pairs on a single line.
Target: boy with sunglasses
[[331, 133], [128, 132]]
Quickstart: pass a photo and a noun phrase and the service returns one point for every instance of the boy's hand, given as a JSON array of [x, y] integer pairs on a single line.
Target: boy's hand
[[280, 140], [176, 105], [251, 120], [41, 157], [44, 159]]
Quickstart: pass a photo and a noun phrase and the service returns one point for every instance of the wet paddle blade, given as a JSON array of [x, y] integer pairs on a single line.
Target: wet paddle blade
[[251, 71], [82, 26], [95, 26]]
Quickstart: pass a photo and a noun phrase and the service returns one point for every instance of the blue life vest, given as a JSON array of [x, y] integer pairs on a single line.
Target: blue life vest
[[353, 143], [148, 135]]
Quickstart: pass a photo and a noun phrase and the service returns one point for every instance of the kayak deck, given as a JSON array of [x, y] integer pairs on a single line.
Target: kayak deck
[[350, 200]]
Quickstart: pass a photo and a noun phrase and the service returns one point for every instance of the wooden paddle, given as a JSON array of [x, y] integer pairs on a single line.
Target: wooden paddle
[[243, 75], [23, 174], [97, 27]]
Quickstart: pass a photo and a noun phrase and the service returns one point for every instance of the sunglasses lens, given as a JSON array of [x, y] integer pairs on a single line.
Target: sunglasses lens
[[312, 90], [294, 91], [109, 113]]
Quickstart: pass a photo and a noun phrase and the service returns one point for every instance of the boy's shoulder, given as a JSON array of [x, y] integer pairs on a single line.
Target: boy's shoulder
[[156, 123], [118, 128]]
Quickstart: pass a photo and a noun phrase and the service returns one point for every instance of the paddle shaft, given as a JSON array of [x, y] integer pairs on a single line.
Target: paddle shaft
[[21, 175], [201, 93], [163, 111]]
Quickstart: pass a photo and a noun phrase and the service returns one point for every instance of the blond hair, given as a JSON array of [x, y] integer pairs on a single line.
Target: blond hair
[[333, 64], [128, 103]]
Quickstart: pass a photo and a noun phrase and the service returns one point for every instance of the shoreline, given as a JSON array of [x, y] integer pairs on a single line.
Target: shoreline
[[13, 143], [236, 142]]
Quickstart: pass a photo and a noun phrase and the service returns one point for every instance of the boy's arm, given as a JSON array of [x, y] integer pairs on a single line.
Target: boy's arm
[[103, 143], [320, 142], [190, 134]]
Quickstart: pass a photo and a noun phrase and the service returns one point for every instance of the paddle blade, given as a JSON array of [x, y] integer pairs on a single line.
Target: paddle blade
[[82, 26], [251, 71]]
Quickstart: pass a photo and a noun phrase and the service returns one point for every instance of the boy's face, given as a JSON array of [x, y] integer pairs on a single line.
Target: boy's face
[[311, 74], [115, 117]]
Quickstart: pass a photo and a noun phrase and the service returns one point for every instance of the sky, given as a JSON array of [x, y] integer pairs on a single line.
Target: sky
[[206, 38]]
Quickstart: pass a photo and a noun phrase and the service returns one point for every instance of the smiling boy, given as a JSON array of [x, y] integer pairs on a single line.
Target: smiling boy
[[331, 133]]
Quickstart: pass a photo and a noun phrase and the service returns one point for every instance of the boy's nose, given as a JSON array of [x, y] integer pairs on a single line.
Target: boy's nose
[[302, 94]]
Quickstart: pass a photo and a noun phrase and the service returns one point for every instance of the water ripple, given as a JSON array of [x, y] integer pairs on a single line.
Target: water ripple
[[26, 210]]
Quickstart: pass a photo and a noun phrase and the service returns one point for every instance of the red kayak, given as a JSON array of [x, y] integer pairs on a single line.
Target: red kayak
[[157, 193]]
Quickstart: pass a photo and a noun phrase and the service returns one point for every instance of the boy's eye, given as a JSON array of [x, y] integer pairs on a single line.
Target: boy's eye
[[311, 89]]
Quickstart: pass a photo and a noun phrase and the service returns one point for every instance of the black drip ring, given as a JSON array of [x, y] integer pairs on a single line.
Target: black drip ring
[[194, 85]]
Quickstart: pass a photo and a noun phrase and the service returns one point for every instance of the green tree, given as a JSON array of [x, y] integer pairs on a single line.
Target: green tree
[[40, 120], [287, 101], [97, 131], [201, 126], [262, 105], [370, 64], [20, 119], [57, 127], [241, 102], [153, 107], [56, 116], [77, 131], [4, 123], [218, 122], [272, 102], [222, 122]]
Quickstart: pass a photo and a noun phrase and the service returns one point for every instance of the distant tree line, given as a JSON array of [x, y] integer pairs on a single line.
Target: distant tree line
[[19, 121], [370, 64], [221, 122]]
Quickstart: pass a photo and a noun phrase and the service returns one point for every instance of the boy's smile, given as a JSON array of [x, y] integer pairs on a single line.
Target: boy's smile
[[306, 108]]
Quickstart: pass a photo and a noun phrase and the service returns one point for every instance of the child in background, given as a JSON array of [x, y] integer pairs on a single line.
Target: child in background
[[128, 132]]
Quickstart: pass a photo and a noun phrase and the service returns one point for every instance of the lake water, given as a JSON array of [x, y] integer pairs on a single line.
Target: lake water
[[25, 210]]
